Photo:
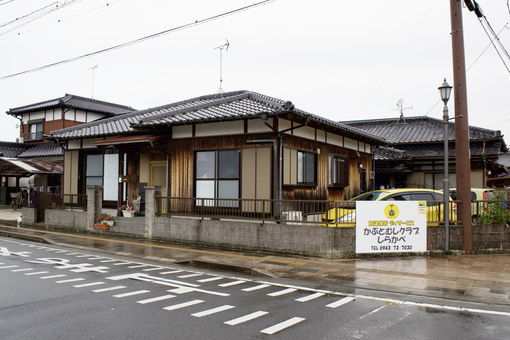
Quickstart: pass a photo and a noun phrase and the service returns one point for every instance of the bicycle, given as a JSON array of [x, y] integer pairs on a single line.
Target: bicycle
[[19, 199]]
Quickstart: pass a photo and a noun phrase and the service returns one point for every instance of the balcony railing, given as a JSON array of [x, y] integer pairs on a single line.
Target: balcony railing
[[33, 136]]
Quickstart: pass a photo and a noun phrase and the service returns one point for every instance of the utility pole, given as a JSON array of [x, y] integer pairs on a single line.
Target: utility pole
[[462, 152]]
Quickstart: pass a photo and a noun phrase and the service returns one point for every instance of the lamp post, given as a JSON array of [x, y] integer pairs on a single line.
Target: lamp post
[[445, 90]]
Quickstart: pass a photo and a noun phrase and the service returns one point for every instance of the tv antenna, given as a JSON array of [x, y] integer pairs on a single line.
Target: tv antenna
[[221, 48], [93, 68], [401, 109]]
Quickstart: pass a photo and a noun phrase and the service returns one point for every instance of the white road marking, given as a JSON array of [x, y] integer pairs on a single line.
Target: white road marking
[[70, 280], [181, 290], [372, 312], [7, 267], [183, 305], [282, 292], [189, 275], [71, 254], [151, 269], [155, 299], [310, 297], [83, 255], [211, 279], [233, 283], [138, 266], [340, 302], [122, 263], [60, 251], [94, 258], [109, 260], [89, 284], [245, 318], [37, 273], [212, 311], [172, 272], [21, 270], [101, 290], [282, 325], [52, 276], [136, 292], [251, 289]]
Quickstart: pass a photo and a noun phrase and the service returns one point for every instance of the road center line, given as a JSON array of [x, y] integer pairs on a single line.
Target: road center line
[[282, 325]]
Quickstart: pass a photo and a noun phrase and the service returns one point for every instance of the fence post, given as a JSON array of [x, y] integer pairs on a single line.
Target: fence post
[[150, 210], [94, 204]]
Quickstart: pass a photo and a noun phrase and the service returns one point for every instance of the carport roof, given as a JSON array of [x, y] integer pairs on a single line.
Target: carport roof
[[26, 167]]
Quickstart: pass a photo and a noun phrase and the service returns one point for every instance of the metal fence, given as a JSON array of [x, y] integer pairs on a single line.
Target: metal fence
[[61, 201], [316, 212]]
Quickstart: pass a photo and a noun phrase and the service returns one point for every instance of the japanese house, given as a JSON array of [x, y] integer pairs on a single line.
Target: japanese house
[[34, 154], [414, 155], [238, 145]]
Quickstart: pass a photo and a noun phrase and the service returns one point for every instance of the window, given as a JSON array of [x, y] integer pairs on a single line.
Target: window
[[299, 167], [338, 171], [35, 131], [103, 169], [217, 176]]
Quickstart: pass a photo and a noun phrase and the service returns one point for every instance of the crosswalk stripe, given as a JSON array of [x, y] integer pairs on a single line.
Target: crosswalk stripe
[[211, 279], [138, 266], [107, 289], [189, 275], [172, 272], [233, 283], [251, 289], [21, 270], [151, 269], [282, 325], [155, 299], [70, 280], [340, 302], [183, 305], [212, 311], [37, 273], [89, 284], [310, 297], [136, 292], [282, 292], [245, 318], [52, 276]]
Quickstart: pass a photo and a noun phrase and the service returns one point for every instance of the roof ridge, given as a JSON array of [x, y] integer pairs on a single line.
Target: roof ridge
[[220, 101], [92, 100]]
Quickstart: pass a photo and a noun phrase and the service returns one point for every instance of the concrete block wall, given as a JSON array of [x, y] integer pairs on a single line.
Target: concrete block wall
[[66, 219], [28, 215], [132, 226]]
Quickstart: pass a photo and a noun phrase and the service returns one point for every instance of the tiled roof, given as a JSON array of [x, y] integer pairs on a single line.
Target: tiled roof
[[10, 149], [418, 129], [43, 150], [74, 102], [383, 153], [219, 107]]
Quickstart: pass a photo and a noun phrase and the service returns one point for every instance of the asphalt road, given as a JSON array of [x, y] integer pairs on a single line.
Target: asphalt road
[[53, 293]]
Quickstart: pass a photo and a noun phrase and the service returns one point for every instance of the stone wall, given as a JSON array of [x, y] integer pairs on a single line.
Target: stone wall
[[65, 219]]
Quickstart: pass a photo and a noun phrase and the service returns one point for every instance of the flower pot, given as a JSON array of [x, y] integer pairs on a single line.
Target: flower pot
[[110, 223], [100, 226], [128, 213]]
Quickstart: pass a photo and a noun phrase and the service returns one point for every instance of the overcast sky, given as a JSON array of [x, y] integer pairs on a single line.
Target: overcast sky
[[343, 60]]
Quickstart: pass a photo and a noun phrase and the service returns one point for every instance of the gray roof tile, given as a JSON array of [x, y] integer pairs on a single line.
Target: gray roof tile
[[43, 150], [226, 106]]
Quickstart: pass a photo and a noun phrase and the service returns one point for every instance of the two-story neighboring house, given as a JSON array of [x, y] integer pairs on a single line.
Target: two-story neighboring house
[[36, 155]]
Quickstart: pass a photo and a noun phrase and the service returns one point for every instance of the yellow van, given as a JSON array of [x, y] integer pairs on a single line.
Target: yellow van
[[345, 214]]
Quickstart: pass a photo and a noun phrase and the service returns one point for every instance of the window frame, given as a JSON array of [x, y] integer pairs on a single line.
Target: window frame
[[217, 179], [305, 157], [332, 181], [37, 135]]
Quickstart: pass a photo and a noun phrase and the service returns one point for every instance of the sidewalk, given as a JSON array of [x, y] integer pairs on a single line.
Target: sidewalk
[[476, 278]]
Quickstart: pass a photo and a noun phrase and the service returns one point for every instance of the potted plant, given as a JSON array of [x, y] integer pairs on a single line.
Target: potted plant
[[127, 210], [107, 219]]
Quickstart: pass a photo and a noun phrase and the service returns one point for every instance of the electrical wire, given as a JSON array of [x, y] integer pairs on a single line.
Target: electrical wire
[[59, 20], [486, 48], [494, 38], [18, 19], [6, 2], [139, 40]]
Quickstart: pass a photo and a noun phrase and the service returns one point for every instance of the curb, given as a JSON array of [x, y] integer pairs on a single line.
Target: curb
[[27, 237]]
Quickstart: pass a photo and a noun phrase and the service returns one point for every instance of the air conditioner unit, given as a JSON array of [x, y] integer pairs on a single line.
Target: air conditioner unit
[[20, 140]]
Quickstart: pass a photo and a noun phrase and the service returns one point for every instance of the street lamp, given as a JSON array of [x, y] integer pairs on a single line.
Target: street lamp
[[445, 90]]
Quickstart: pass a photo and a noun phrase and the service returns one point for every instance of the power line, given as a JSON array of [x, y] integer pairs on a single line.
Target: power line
[[486, 48], [59, 20], [6, 2], [18, 19], [139, 40]]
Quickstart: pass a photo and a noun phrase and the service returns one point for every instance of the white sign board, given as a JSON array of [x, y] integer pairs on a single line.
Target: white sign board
[[391, 226]]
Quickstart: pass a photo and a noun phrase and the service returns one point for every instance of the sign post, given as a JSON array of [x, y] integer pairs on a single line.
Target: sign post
[[391, 226]]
